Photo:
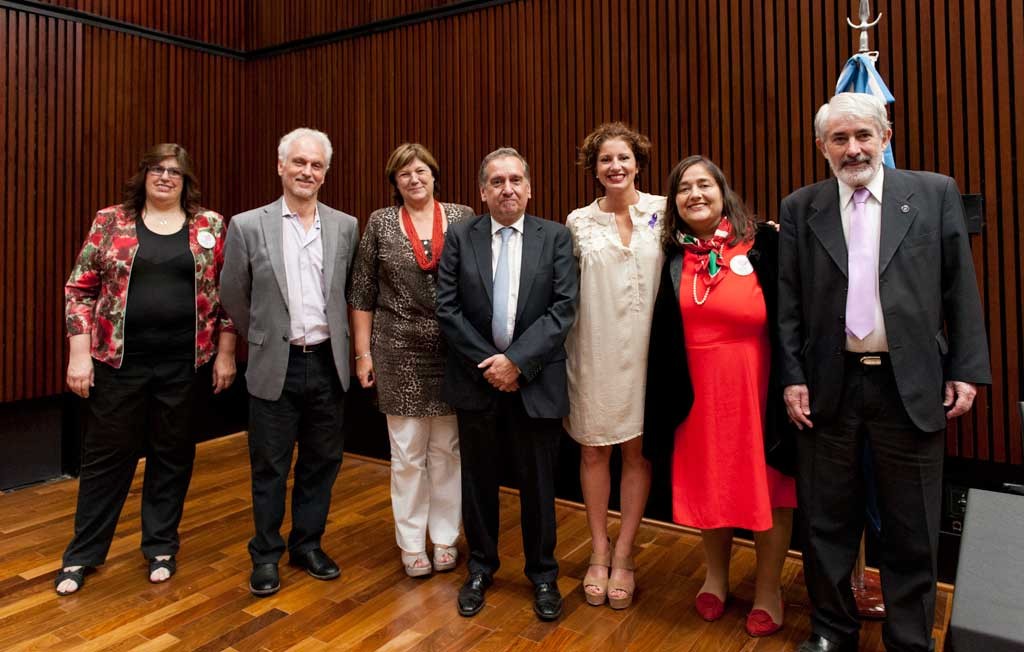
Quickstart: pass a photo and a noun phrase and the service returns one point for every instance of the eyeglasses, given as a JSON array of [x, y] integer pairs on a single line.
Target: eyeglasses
[[159, 170]]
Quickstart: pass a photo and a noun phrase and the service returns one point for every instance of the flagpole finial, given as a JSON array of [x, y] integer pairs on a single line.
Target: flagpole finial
[[864, 25]]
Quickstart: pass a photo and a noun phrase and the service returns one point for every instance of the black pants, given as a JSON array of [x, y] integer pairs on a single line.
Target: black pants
[[908, 473], [309, 412], [145, 407], [488, 441]]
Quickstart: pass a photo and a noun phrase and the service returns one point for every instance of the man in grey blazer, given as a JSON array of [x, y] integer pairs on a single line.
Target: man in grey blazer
[[506, 296], [283, 283], [881, 329]]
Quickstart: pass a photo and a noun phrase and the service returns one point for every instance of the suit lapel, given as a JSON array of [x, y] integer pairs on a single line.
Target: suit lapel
[[897, 216], [827, 224], [329, 234], [533, 242], [272, 224], [480, 238], [675, 269]]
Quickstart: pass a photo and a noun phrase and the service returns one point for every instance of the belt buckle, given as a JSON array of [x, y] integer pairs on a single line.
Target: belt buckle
[[871, 360], [309, 348]]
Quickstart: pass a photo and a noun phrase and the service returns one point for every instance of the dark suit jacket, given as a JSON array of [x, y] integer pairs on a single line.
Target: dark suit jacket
[[929, 295], [548, 290], [669, 386]]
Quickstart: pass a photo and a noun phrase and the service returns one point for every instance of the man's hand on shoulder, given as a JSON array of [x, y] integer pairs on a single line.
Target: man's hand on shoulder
[[960, 395], [501, 372]]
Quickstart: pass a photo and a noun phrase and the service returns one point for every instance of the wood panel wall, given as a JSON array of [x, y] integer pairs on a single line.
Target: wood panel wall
[[217, 22], [273, 22], [737, 80], [80, 106]]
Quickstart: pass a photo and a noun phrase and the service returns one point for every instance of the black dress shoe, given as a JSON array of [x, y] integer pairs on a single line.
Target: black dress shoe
[[317, 564], [264, 580], [547, 601], [471, 595], [818, 643]]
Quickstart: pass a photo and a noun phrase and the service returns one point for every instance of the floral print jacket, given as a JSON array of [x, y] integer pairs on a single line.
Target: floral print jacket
[[96, 293]]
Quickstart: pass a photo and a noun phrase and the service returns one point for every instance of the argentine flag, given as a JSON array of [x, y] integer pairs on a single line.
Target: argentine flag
[[860, 76]]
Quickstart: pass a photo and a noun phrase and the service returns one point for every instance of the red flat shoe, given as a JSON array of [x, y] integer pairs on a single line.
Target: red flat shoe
[[759, 623], [709, 606]]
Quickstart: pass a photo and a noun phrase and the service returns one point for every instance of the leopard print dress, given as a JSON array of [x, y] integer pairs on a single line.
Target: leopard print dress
[[406, 343]]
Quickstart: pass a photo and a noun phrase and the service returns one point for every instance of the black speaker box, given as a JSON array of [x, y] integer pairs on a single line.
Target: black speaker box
[[988, 604]]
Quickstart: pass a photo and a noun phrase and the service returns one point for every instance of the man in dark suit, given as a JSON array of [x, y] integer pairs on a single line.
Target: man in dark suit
[[283, 283], [881, 329], [506, 297]]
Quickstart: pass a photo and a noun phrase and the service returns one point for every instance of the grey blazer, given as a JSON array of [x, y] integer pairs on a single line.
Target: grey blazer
[[254, 291]]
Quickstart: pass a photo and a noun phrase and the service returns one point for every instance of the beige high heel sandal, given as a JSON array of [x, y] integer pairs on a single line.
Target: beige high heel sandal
[[625, 563], [410, 560], [601, 583]]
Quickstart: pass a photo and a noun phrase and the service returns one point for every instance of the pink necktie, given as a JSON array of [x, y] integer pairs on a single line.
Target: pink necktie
[[863, 270]]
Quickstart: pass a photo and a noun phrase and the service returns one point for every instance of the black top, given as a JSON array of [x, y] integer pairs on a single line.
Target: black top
[[160, 316]]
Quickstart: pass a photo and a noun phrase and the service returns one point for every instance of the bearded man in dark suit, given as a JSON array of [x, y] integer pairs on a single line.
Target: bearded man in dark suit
[[883, 341]]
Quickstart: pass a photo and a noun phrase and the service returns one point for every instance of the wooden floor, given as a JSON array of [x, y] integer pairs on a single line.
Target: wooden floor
[[374, 606]]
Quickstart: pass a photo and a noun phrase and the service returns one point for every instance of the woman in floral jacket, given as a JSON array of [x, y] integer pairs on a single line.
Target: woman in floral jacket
[[143, 316]]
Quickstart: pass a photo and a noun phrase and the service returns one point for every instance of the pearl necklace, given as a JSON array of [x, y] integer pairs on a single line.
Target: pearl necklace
[[707, 291]]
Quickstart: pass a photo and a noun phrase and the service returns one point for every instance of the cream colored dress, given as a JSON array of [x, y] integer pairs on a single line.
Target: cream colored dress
[[607, 346]]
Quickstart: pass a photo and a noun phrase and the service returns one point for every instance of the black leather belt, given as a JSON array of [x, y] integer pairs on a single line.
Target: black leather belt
[[311, 348], [868, 359]]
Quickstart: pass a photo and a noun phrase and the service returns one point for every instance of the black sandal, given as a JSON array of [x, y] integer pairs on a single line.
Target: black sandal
[[155, 564], [76, 576]]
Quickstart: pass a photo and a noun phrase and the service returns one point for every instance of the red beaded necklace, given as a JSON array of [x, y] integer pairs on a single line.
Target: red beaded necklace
[[436, 242]]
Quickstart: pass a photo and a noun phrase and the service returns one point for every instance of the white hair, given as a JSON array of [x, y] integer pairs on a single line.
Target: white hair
[[857, 105], [304, 132]]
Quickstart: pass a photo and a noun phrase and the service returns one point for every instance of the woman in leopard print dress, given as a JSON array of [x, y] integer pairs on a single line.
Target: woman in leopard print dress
[[399, 349]]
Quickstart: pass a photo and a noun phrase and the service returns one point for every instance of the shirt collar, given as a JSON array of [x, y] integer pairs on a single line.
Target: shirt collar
[[287, 212], [874, 187], [517, 225]]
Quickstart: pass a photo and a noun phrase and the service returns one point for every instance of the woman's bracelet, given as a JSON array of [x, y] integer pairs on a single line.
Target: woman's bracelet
[[363, 355]]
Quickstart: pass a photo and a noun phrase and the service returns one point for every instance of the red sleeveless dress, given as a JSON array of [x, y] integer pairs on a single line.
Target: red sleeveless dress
[[719, 474]]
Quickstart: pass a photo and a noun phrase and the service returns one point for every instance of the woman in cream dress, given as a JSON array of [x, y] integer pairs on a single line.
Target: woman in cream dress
[[617, 241]]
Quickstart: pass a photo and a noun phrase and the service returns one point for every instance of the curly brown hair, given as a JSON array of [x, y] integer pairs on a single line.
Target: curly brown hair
[[588, 151], [744, 225], [134, 197]]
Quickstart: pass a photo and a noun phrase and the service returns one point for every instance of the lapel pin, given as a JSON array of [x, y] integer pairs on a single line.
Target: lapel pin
[[904, 208]]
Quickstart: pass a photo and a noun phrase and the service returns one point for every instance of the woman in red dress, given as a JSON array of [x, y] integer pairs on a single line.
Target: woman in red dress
[[714, 410]]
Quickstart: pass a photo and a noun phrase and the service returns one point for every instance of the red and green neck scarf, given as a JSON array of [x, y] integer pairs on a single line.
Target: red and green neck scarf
[[709, 253]]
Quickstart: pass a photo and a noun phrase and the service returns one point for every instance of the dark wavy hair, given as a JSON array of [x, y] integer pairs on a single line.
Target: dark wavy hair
[[405, 154], [743, 222], [134, 199], [640, 144]]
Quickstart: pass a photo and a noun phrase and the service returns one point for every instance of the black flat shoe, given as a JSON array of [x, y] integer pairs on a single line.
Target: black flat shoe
[[818, 643], [471, 595], [547, 601], [317, 564], [76, 576], [264, 580], [155, 564]]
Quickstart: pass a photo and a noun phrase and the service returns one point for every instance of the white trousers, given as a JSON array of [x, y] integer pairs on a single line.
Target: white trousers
[[426, 480]]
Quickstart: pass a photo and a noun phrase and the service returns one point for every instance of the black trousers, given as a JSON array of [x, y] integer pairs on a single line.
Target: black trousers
[[908, 473], [308, 413], [143, 408], [488, 441]]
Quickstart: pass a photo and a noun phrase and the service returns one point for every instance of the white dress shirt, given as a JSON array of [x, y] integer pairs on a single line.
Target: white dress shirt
[[875, 340], [514, 258], [304, 269]]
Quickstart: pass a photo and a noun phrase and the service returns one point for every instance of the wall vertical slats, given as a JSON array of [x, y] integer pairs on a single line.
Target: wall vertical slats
[[737, 80], [216, 22]]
